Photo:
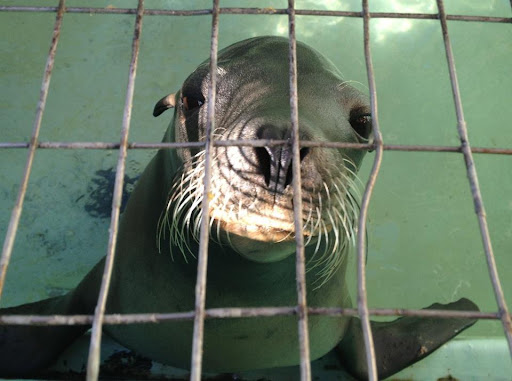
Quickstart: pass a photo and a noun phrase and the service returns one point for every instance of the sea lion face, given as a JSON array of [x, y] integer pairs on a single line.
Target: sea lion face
[[251, 206]]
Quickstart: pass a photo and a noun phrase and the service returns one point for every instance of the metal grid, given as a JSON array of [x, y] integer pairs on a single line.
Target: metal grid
[[301, 310]]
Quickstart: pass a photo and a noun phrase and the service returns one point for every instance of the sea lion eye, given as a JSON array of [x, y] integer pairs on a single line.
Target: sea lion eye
[[191, 102], [361, 123]]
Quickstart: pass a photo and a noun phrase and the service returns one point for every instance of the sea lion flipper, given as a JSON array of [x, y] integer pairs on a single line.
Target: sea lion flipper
[[402, 342], [25, 349], [164, 104]]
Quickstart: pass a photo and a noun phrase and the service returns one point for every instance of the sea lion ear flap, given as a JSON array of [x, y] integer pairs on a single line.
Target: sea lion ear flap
[[167, 102]]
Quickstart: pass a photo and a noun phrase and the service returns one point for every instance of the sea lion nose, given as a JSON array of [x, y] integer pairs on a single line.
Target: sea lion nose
[[275, 162]]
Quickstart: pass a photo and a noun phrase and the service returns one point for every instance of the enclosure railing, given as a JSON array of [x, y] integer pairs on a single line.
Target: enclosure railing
[[301, 310]]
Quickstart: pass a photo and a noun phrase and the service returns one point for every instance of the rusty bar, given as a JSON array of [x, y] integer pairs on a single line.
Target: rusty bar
[[257, 143], [18, 207], [224, 313], [258, 11], [362, 302], [300, 266], [93, 362], [202, 263], [473, 182]]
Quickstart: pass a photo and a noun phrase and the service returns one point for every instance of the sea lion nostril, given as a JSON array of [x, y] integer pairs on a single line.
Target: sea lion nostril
[[275, 163], [289, 173], [276, 166], [303, 152], [263, 163]]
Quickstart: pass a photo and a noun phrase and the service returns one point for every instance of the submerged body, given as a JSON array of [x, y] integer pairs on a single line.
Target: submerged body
[[251, 261]]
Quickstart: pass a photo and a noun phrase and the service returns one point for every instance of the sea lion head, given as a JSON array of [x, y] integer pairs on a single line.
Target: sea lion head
[[251, 206]]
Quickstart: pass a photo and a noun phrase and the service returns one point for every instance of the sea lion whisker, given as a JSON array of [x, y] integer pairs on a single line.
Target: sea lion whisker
[[191, 202], [343, 217], [197, 226], [285, 238], [317, 228], [353, 204], [345, 196], [324, 256], [334, 230], [328, 196], [309, 223], [322, 232], [346, 223], [160, 231], [347, 83]]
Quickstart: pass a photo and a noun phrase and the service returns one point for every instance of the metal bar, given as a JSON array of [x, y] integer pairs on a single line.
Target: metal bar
[[223, 313], [18, 207], [258, 143], [258, 11], [115, 11], [362, 302], [93, 362], [300, 264], [473, 182], [202, 263]]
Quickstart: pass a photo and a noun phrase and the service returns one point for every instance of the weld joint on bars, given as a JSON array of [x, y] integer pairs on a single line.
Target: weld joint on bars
[[257, 11]]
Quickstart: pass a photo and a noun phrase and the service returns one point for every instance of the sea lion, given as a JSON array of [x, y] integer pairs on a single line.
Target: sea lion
[[252, 234]]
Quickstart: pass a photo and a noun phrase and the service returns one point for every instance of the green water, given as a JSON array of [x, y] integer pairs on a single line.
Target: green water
[[424, 242]]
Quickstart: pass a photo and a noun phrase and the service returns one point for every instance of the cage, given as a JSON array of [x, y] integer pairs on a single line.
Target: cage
[[424, 242]]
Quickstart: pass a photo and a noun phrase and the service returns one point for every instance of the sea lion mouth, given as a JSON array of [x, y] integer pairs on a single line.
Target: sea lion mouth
[[257, 232], [266, 241], [260, 226], [274, 226]]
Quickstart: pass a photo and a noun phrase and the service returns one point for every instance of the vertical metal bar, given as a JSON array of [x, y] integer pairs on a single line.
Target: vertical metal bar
[[18, 207], [362, 300], [202, 264], [95, 344], [300, 267], [473, 182]]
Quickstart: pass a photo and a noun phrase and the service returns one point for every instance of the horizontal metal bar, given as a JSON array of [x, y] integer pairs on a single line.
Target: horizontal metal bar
[[259, 11], [225, 313], [258, 143], [115, 11]]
